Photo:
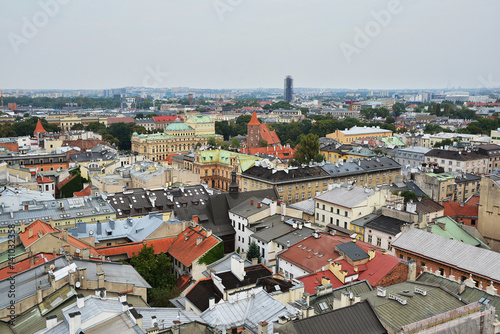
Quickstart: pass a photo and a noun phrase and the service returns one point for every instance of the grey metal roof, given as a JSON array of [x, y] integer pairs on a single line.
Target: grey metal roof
[[356, 288], [359, 318], [352, 250], [246, 311], [28, 281], [72, 209], [342, 168], [306, 206], [363, 220], [113, 272], [466, 257], [418, 307], [166, 316], [348, 197], [294, 236], [134, 229], [246, 209], [386, 224], [223, 264]]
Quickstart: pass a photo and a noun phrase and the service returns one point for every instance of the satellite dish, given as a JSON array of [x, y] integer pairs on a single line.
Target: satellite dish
[[102, 294], [77, 284], [77, 251], [52, 267]]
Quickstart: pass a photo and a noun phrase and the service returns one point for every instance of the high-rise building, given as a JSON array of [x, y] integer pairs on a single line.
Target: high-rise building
[[191, 101], [288, 89]]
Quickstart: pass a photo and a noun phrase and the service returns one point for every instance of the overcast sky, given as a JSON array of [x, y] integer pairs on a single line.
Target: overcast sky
[[249, 43]]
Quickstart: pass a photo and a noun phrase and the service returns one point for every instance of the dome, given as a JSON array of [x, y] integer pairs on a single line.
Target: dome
[[142, 136], [178, 125], [135, 134]]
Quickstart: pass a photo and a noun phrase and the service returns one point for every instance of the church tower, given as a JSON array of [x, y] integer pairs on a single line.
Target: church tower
[[253, 132]]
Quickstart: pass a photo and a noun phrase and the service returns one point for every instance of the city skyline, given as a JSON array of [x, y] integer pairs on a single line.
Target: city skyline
[[56, 44]]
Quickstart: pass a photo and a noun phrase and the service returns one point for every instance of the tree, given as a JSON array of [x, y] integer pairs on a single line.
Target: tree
[[445, 142], [211, 141], [308, 150], [151, 115], [263, 143], [390, 120], [409, 195], [139, 115], [122, 132], [155, 269], [253, 252], [235, 143], [77, 126]]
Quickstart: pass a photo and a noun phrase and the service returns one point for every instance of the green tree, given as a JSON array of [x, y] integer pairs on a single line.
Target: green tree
[[139, 115], [445, 142], [253, 252], [122, 132], [307, 150], [77, 126], [151, 115], [409, 195], [390, 120], [155, 269], [263, 143], [235, 143]]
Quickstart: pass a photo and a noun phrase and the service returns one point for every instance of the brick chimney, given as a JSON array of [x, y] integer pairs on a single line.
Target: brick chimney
[[262, 329]]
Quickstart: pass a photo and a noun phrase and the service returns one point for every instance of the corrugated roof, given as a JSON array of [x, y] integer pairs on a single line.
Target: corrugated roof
[[359, 318], [348, 197], [455, 253]]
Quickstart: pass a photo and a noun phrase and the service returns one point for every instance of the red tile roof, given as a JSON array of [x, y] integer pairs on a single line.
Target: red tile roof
[[166, 118], [473, 200], [270, 136], [184, 248], [25, 264], [454, 209], [85, 192], [35, 227], [39, 128], [43, 179], [373, 271], [254, 120], [169, 158], [183, 282], [159, 245], [282, 152]]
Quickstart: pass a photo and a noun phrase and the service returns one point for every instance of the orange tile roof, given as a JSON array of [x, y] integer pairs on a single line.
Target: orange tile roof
[[282, 152], [25, 264], [473, 200], [183, 282], [43, 179], [85, 192], [454, 209], [39, 128], [254, 120], [35, 227], [186, 251], [159, 245]]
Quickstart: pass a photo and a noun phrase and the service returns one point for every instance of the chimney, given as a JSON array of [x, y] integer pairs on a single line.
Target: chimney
[[259, 205], [199, 240], [262, 329], [196, 219], [75, 321], [211, 303], [100, 292], [344, 299], [30, 233], [65, 234], [23, 227], [325, 280], [80, 300], [283, 210], [461, 288], [255, 260], [209, 233], [176, 327], [371, 253], [412, 270], [51, 321], [39, 294], [307, 297], [243, 256], [353, 240], [137, 317], [238, 267], [122, 297], [251, 202], [124, 306]]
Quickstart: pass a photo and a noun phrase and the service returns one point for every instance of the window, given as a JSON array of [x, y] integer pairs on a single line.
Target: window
[[369, 238], [338, 211], [323, 218], [379, 242], [338, 222], [323, 207], [422, 264], [345, 224], [389, 247], [280, 188], [346, 214]]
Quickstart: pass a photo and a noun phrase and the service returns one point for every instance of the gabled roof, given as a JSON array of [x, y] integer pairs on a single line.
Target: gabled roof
[[454, 209], [26, 264], [346, 196], [38, 230], [43, 179], [359, 318], [452, 252], [427, 205], [191, 244], [271, 137]]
